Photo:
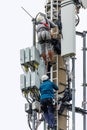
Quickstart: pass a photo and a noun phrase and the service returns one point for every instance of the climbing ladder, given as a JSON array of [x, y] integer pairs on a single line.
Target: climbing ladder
[[68, 120], [54, 77], [51, 9], [55, 80]]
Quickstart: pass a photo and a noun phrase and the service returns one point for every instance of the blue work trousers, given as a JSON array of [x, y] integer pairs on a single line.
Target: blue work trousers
[[47, 107]]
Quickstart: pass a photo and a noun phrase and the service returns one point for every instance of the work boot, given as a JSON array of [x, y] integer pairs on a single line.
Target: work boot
[[48, 127], [53, 128]]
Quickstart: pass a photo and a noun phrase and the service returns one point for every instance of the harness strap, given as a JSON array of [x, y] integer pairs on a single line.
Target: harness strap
[[42, 29], [44, 24]]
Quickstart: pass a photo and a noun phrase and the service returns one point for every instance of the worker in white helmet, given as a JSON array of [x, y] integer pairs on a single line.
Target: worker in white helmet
[[44, 36], [46, 98]]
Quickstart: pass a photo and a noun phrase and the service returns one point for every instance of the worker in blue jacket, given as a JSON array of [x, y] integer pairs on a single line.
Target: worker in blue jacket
[[46, 98]]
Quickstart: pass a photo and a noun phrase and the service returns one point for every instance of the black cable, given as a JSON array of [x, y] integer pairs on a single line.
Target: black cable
[[61, 91], [28, 99], [67, 3], [77, 20], [29, 122]]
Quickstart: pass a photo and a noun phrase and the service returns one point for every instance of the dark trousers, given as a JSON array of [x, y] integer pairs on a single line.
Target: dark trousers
[[47, 107]]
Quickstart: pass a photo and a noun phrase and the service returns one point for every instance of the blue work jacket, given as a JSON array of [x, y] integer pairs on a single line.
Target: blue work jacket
[[47, 89]]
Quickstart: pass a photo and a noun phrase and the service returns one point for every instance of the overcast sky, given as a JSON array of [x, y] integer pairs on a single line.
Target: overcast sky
[[16, 33]]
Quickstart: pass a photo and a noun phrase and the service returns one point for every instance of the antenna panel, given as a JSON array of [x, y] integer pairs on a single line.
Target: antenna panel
[[35, 55], [68, 45], [35, 81], [28, 80], [84, 3], [41, 68], [22, 82], [22, 56], [27, 55]]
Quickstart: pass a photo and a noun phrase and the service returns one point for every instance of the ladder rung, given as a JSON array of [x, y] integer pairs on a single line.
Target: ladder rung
[[63, 84], [54, 78], [54, 71], [62, 68]]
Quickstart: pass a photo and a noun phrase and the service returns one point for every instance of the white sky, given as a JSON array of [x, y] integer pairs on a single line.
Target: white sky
[[16, 33]]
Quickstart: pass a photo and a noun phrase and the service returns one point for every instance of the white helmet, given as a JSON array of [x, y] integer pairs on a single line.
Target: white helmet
[[39, 18], [44, 77]]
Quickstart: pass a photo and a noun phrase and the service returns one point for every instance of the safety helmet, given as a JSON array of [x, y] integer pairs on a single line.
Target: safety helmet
[[44, 77], [39, 18]]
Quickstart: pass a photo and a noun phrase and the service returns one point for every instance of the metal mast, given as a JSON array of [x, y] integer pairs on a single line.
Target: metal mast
[[83, 35], [73, 93], [84, 79]]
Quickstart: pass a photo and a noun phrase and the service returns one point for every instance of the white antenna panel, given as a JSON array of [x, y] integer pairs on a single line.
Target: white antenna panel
[[22, 56], [41, 68], [84, 3], [22, 82], [35, 80], [35, 55], [27, 55], [28, 81], [68, 42]]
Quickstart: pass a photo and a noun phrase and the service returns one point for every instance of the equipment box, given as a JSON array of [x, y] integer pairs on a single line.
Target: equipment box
[[22, 82], [84, 3], [35, 55], [28, 82], [22, 56], [35, 81], [27, 55]]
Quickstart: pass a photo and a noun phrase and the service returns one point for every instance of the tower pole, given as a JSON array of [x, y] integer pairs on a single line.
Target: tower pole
[[83, 35], [73, 93], [84, 78], [34, 31]]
